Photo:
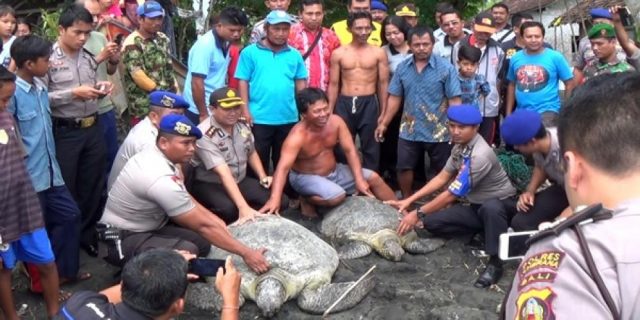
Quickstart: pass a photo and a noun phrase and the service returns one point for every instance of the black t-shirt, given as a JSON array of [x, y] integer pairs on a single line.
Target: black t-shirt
[[88, 305]]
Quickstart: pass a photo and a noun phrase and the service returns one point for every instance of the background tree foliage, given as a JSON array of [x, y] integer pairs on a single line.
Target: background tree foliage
[[44, 14]]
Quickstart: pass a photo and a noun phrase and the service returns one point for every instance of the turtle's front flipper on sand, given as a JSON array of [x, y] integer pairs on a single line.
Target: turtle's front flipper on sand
[[320, 299], [413, 244], [354, 249]]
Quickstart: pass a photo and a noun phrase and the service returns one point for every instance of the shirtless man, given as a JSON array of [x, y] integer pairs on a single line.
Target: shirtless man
[[363, 70], [308, 154]]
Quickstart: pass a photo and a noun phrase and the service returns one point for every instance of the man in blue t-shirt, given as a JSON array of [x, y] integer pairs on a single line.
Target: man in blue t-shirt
[[270, 72], [534, 74], [209, 60]]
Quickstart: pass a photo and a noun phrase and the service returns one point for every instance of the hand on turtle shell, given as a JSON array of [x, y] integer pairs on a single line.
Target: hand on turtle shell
[[256, 261], [271, 207], [408, 222], [247, 214]]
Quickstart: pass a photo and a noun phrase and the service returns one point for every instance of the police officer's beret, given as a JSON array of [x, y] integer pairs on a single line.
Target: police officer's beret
[[179, 125], [167, 99], [520, 127], [600, 13], [465, 114], [602, 30], [226, 98]]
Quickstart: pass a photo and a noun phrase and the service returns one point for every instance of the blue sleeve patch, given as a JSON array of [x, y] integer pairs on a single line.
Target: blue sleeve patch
[[461, 186]]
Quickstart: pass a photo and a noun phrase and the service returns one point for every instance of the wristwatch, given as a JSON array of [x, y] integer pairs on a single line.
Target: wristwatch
[[421, 214]]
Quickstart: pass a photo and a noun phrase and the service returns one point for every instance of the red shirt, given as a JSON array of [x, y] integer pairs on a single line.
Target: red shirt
[[318, 61], [234, 56]]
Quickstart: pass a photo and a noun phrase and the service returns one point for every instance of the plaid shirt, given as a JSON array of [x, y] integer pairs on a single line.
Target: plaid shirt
[[20, 211]]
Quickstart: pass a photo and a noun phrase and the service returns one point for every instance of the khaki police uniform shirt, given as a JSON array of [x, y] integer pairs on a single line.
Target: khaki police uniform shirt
[[553, 280], [484, 178], [146, 194], [551, 163], [217, 147], [65, 74], [141, 136]]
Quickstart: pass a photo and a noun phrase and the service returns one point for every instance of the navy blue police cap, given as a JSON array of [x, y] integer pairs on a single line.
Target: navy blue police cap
[[179, 125], [601, 13], [465, 114], [520, 127], [166, 99]]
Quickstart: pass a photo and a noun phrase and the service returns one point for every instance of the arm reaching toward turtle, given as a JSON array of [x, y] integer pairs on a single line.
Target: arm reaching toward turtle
[[289, 153], [212, 228]]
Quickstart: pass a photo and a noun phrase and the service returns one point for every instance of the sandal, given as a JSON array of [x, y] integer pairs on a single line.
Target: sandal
[[82, 276]]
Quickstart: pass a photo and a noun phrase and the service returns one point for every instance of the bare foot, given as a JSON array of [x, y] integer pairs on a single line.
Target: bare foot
[[307, 209]]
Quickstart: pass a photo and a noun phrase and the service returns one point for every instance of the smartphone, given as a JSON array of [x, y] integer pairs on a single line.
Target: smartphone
[[118, 39], [625, 17], [205, 267], [513, 244]]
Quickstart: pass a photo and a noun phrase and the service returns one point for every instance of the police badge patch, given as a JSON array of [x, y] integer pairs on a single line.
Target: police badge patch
[[535, 304]]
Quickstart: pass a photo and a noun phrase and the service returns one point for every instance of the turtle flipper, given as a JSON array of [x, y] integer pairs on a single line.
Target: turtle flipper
[[320, 299], [413, 244], [354, 250]]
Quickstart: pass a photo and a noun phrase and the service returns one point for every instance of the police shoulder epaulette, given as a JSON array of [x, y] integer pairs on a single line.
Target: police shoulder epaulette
[[590, 214], [211, 131], [58, 51]]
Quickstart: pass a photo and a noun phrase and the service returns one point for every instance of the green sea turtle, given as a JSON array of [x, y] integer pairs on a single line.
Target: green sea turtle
[[363, 224], [302, 265]]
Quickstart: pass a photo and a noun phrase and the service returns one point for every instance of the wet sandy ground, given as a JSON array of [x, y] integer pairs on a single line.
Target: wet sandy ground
[[438, 285]]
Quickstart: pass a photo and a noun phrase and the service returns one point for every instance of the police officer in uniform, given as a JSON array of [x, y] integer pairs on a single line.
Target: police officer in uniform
[[73, 94], [587, 266], [144, 133], [477, 177], [221, 183], [149, 206]]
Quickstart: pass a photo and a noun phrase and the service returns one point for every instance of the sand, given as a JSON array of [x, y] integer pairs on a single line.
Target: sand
[[438, 285]]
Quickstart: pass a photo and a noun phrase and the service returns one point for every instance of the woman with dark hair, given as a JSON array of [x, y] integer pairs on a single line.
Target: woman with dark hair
[[394, 39]]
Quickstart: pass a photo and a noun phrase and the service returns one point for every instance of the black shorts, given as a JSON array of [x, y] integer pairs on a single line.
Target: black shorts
[[410, 152]]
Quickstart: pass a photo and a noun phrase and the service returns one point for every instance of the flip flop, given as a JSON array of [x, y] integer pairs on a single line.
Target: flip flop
[[64, 296], [82, 276]]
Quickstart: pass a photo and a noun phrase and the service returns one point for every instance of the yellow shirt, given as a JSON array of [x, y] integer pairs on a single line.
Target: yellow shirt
[[342, 31]]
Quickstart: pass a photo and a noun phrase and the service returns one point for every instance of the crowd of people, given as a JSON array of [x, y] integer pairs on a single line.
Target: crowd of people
[[273, 125]]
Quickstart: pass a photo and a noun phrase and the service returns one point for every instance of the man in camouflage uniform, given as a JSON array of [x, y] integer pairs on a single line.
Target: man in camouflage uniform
[[603, 44], [148, 62]]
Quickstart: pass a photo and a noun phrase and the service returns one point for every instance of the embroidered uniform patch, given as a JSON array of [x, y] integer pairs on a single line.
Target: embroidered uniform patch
[[549, 260], [535, 304]]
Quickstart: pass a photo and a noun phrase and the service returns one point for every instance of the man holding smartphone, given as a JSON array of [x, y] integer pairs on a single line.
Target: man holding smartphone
[[153, 286], [587, 267]]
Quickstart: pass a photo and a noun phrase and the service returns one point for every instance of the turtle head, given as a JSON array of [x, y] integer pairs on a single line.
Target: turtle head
[[391, 250], [270, 296]]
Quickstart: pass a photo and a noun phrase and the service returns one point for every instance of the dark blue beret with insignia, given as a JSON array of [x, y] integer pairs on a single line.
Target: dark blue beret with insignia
[[179, 125], [166, 99]]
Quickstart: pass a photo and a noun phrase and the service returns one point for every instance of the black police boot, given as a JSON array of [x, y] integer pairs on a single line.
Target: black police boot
[[491, 274]]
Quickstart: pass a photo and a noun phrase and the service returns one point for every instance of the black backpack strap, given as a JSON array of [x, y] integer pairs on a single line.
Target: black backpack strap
[[313, 45]]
